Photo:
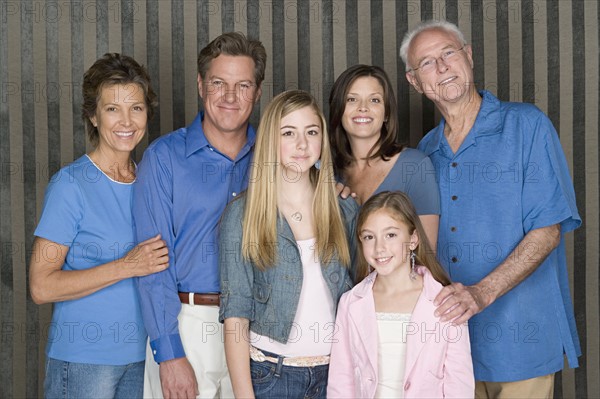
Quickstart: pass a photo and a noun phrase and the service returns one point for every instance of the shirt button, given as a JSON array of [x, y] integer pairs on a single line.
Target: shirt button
[[452, 228], [233, 194], [454, 198], [154, 352], [407, 385], [454, 164], [454, 259]]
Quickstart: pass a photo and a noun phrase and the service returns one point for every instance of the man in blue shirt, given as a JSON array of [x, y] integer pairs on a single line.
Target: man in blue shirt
[[507, 200], [184, 182]]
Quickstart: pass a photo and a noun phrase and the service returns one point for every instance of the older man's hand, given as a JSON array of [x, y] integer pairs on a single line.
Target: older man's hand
[[458, 303]]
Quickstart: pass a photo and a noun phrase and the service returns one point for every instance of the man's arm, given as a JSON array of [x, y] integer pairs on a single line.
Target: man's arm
[[160, 304], [459, 303]]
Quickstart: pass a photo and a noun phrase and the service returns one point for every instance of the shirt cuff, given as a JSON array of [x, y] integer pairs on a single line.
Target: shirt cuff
[[167, 348]]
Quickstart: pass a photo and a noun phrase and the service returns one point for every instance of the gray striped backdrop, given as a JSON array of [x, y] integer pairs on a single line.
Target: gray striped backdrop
[[544, 52]]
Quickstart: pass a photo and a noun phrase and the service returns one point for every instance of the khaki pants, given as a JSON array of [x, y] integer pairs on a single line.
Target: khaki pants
[[202, 338], [539, 387]]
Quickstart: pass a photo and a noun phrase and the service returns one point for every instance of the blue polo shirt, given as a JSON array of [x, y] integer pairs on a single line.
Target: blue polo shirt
[[508, 177]]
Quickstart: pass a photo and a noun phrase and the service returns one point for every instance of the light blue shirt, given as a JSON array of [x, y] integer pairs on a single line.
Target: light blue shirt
[[414, 175], [508, 177], [183, 185], [91, 214]]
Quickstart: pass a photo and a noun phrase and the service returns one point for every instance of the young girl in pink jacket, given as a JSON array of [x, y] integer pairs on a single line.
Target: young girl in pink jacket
[[388, 341]]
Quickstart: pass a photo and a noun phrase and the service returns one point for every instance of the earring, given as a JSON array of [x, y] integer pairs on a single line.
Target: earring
[[318, 164], [413, 272]]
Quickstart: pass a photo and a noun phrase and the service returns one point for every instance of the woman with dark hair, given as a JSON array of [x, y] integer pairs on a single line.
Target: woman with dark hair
[[84, 258], [366, 153]]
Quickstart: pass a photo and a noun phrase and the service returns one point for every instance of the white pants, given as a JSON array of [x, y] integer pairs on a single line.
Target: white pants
[[202, 338]]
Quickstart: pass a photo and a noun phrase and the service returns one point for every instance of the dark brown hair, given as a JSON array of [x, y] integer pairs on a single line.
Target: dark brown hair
[[400, 208], [387, 145], [234, 43], [112, 69]]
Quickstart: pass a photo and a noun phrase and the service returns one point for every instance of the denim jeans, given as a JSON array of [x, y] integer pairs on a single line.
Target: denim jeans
[[82, 380], [276, 381]]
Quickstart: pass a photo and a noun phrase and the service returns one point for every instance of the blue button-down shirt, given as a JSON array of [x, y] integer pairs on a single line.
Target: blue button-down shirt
[[183, 185], [508, 177]]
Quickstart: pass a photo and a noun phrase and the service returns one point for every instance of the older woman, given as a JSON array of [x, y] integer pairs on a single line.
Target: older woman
[[84, 256], [367, 156]]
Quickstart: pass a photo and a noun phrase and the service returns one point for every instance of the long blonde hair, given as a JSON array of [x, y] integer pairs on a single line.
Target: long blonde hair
[[399, 207], [259, 228]]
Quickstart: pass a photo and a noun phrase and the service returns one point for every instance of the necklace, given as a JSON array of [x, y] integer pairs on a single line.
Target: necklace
[[296, 216]]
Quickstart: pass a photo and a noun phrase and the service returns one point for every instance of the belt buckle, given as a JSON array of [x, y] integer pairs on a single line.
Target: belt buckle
[[191, 299], [257, 355]]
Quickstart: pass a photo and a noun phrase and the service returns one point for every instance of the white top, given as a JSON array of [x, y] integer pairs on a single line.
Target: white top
[[391, 353], [313, 327]]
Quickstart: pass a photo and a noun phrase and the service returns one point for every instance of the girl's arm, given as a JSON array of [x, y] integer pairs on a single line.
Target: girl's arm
[[459, 381], [237, 353], [49, 283], [341, 382]]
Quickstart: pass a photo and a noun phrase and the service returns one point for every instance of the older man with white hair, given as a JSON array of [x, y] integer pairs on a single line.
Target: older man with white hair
[[506, 201]]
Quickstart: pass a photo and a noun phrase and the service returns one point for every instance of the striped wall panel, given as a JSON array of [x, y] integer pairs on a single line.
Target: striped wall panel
[[543, 52]]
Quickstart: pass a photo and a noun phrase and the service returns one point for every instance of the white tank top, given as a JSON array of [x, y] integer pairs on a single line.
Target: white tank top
[[391, 354], [313, 327]]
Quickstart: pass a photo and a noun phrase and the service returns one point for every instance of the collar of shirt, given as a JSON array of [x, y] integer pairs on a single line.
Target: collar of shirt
[[196, 139], [487, 123]]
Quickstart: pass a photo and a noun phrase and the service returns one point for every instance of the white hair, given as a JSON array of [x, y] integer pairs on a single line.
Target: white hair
[[423, 26]]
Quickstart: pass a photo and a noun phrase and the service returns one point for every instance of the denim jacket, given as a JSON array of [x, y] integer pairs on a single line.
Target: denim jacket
[[269, 299]]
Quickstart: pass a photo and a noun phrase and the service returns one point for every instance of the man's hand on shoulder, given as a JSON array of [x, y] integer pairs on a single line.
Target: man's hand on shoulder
[[178, 379], [458, 303]]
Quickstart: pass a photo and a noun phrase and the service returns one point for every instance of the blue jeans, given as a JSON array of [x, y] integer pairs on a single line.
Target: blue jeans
[[276, 381], [82, 380]]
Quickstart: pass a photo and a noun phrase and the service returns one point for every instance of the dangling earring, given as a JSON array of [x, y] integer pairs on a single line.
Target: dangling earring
[[318, 164], [413, 272]]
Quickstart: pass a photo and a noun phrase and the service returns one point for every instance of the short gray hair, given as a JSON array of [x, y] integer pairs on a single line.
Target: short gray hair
[[423, 26]]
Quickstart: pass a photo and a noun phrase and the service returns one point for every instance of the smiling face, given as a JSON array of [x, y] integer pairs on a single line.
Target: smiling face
[[300, 142], [386, 243], [449, 81], [121, 117], [229, 93], [364, 114]]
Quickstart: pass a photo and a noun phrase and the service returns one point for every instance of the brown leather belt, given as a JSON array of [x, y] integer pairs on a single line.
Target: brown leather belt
[[192, 298]]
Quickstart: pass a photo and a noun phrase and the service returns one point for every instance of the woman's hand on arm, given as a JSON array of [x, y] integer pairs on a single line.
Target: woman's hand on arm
[[237, 353], [49, 283]]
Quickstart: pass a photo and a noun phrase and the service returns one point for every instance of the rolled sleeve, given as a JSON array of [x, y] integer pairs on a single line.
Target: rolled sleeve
[[236, 274]]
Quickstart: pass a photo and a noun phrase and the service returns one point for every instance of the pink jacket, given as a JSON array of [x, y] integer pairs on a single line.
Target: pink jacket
[[438, 355]]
